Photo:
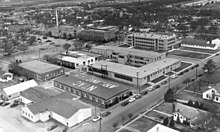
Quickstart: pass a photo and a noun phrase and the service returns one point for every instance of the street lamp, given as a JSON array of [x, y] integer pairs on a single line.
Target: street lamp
[[137, 83]]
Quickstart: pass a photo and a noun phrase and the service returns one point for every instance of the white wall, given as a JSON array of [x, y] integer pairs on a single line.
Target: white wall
[[209, 95], [59, 118], [29, 115], [45, 116], [80, 116], [25, 100]]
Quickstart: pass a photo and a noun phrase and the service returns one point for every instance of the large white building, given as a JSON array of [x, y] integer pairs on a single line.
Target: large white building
[[153, 41], [135, 75], [213, 93], [161, 128], [128, 56], [61, 108]]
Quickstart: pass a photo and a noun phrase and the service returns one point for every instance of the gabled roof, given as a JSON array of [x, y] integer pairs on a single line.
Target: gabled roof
[[194, 115], [37, 94], [161, 128], [20, 87], [61, 104]]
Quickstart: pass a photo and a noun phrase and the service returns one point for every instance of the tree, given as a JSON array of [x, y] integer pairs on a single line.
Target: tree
[[49, 34], [23, 47], [31, 40], [190, 103], [166, 121], [23, 37], [9, 47], [196, 104], [64, 35], [130, 115], [14, 68], [77, 45], [15, 42], [114, 125], [172, 123], [169, 95], [66, 47], [209, 67]]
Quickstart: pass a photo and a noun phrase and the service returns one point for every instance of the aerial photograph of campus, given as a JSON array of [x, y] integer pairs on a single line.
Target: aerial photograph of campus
[[109, 65]]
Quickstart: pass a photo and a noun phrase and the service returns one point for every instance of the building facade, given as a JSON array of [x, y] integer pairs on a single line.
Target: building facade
[[135, 75], [99, 33], [153, 41], [212, 94], [103, 93], [133, 57], [65, 31], [39, 70]]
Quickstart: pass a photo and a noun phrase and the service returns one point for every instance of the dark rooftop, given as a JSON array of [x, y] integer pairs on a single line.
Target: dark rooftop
[[91, 85]]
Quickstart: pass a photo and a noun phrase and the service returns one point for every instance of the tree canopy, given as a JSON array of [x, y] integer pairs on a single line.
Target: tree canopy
[[169, 96], [210, 66]]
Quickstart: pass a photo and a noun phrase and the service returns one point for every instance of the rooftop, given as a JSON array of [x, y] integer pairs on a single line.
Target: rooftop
[[153, 35], [91, 85], [20, 87], [129, 51], [39, 66], [37, 94], [143, 71], [194, 115], [190, 41], [161, 128], [61, 104]]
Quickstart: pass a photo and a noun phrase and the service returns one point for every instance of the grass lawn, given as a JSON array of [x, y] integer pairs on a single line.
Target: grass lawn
[[143, 124], [194, 86], [189, 54], [212, 78], [165, 107], [183, 66], [211, 106], [157, 115], [200, 50]]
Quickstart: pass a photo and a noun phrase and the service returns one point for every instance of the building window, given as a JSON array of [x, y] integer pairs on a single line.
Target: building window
[[216, 98], [123, 77], [207, 96]]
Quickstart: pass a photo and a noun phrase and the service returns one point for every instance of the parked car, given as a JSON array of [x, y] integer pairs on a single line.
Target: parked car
[[144, 92], [181, 73], [52, 127], [5, 104], [164, 82], [95, 119], [48, 41], [192, 80], [132, 99], [44, 37], [106, 114], [199, 75], [138, 96], [52, 43], [216, 54], [157, 86], [1, 102], [43, 48], [124, 103]]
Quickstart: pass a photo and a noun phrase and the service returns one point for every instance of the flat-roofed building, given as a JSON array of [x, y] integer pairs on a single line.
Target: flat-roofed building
[[99, 33], [135, 75], [39, 70], [103, 93], [65, 31], [153, 41], [128, 56], [75, 59]]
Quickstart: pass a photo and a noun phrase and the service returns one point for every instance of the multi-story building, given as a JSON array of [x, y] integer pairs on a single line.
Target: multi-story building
[[153, 41], [39, 70], [128, 56], [99, 33], [65, 31], [135, 75]]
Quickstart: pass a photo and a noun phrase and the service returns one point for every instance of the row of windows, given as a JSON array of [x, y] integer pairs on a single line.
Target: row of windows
[[77, 92], [123, 77], [148, 39], [143, 42], [27, 115], [146, 46]]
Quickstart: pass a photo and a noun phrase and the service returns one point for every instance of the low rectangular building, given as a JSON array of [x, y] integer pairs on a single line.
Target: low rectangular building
[[193, 43], [93, 89], [135, 75], [40, 71], [128, 56], [65, 31], [61, 108], [15, 90]]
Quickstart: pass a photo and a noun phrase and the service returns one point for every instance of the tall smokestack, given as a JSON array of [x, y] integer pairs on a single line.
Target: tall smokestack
[[57, 21]]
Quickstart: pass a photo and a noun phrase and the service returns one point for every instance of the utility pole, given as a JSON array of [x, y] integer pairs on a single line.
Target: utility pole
[[100, 122], [137, 83], [196, 70], [169, 82]]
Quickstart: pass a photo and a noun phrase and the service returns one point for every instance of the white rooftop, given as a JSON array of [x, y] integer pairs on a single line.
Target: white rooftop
[[20, 87], [153, 35], [132, 71], [129, 51], [161, 128]]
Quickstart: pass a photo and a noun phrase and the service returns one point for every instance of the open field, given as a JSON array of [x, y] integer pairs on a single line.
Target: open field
[[165, 107], [187, 54]]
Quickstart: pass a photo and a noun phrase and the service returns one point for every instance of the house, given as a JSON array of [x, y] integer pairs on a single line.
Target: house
[[213, 93], [15, 90], [5, 76], [161, 128], [193, 43], [61, 108], [216, 42], [35, 94], [196, 118]]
